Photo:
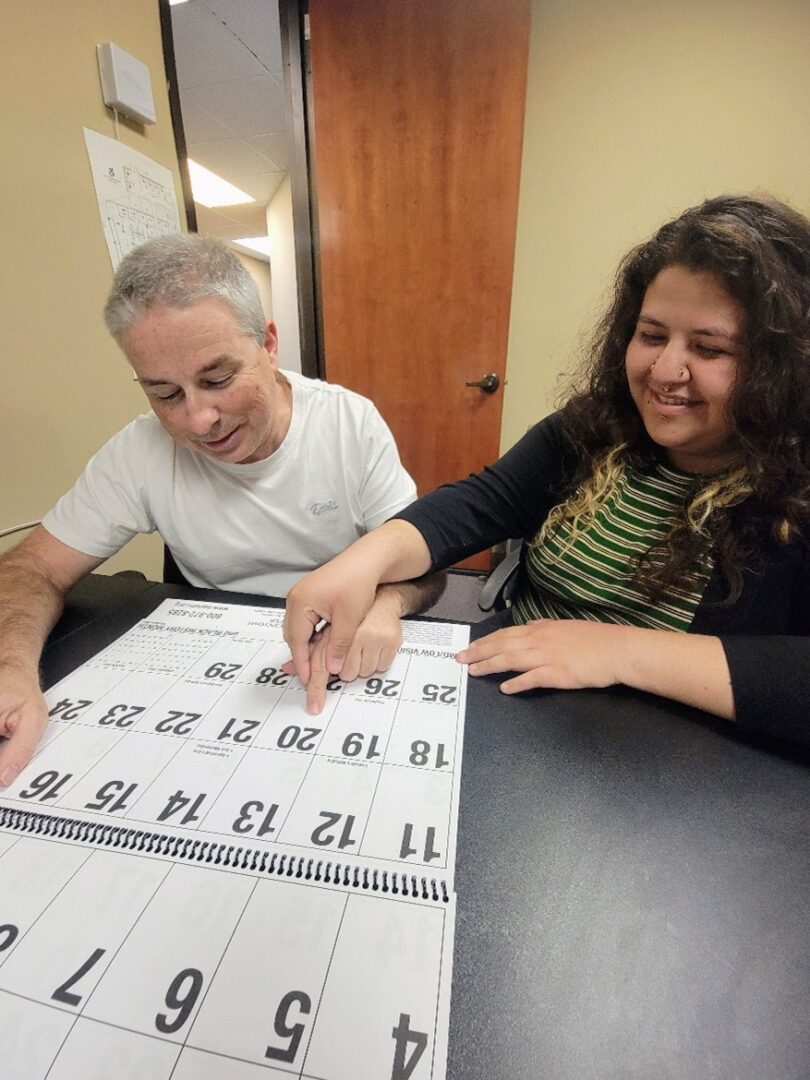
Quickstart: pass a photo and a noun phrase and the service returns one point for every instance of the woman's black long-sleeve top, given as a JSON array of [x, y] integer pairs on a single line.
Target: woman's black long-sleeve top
[[765, 632]]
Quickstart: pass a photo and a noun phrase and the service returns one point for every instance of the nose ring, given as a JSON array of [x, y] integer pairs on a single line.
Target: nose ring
[[680, 374]]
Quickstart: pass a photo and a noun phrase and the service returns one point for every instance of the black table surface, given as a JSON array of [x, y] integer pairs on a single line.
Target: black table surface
[[632, 877]]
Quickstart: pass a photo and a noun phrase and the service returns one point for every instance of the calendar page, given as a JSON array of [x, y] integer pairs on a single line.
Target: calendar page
[[115, 964], [201, 881], [186, 724]]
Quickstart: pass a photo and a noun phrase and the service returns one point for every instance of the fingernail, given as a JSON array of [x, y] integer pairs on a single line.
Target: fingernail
[[9, 774], [334, 666]]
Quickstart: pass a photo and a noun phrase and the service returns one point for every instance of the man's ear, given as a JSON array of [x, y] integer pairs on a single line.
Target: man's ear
[[271, 339]]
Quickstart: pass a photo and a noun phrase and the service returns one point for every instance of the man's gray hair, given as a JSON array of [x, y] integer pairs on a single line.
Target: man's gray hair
[[177, 270]]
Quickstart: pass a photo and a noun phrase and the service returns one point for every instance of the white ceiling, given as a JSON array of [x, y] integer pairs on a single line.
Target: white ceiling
[[229, 73]]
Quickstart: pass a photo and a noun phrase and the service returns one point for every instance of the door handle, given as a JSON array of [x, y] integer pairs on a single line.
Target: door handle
[[489, 383]]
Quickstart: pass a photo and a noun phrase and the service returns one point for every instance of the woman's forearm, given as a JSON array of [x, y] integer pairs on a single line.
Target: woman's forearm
[[691, 668], [396, 551]]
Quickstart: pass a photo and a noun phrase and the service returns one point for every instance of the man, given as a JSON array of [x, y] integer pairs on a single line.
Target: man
[[252, 477]]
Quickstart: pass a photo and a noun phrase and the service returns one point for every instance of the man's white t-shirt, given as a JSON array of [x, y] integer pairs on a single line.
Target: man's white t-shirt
[[248, 528]]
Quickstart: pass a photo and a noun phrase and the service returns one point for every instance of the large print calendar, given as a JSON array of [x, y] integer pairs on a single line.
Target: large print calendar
[[199, 880]]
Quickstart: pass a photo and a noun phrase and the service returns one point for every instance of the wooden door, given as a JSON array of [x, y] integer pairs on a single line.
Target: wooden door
[[417, 109]]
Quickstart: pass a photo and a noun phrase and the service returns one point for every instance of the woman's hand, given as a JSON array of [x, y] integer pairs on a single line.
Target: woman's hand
[[565, 654], [569, 654], [342, 591]]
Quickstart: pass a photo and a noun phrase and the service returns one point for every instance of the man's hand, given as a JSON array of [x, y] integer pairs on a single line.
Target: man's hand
[[372, 649], [34, 577], [23, 719]]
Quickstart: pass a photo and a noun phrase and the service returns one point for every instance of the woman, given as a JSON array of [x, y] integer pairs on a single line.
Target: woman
[[665, 508]]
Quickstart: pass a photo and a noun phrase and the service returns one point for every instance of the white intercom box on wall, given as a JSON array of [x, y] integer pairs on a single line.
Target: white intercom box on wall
[[125, 83]]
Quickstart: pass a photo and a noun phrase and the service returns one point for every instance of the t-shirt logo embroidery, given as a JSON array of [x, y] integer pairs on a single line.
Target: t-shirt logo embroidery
[[321, 507]]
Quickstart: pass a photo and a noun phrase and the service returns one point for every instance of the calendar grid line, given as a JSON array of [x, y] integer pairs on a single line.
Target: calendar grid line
[[14, 841], [151, 783], [68, 1033], [61, 888], [185, 1042], [312, 757], [271, 1070], [261, 726], [89, 1020], [46, 1005], [93, 765], [79, 1013], [449, 812], [86, 1001], [323, 986], [384, 763], [436, 1015]]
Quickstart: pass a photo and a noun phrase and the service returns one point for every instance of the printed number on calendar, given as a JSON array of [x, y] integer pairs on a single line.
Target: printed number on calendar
[[323, 838], [294, 737], [354, 746], [69, 710], [387, 688], [180, 801], [446, 695], [241, 731], [181, 996], [121, 715], [421, 751], [112, 797], [46, 786], [8, 935], [407, 848], [285, 1030], [271, 676], [222, 671], [249, 819], [403, 1036], [64, 993], [178, 722]]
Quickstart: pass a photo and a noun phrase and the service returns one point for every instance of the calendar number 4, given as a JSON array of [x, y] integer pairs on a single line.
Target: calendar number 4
[[403, 1036], [185, 989]]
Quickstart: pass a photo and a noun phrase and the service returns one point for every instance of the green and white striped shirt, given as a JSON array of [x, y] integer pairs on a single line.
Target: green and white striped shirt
[[591, 577]]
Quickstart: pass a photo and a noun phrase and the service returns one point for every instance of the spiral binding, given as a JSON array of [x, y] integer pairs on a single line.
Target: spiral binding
[[215, 854]]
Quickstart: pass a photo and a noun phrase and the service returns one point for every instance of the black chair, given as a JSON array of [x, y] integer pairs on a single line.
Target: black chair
[[172, 574], [496, 595]]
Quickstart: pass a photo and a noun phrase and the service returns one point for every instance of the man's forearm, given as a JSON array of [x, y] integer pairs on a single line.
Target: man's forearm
[[29, 606], [415, 596]]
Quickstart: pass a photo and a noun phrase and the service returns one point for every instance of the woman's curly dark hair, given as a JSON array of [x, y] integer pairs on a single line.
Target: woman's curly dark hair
[[760, 249]]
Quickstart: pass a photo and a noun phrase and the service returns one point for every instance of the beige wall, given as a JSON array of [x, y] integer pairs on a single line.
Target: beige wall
[[285, 275], [65, 388], [259, 270], [637, 109]]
